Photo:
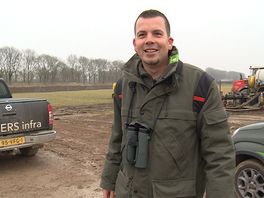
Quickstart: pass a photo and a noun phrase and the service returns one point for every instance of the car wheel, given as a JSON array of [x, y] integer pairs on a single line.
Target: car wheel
[[29, 151], [249, 179]]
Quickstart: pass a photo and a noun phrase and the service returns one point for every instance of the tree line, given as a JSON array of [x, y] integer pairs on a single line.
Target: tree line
[[224, 75], [28, 67]]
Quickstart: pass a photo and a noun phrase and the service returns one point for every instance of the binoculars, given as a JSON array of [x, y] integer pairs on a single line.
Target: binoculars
[[138, 136]]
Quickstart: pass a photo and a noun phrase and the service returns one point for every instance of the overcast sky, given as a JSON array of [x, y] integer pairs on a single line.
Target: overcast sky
[[223, 34]]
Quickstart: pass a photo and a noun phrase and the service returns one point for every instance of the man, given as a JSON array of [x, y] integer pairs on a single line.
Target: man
[[170, 136]]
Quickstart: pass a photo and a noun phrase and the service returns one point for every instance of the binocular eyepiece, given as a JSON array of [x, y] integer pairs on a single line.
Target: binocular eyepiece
[[138, 135]]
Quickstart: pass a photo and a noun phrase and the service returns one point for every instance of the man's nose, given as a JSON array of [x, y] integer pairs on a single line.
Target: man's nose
[[149, 39]]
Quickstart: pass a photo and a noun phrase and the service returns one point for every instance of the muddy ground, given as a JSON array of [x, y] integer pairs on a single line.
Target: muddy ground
[[70, 166]]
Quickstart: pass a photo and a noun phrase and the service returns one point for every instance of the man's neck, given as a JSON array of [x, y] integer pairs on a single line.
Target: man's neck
[[155, 71]]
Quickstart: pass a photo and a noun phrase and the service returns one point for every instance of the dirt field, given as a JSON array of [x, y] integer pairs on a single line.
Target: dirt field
[[70, 166]]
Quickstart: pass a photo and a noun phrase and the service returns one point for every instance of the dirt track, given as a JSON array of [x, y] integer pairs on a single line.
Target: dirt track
[[70, 166]]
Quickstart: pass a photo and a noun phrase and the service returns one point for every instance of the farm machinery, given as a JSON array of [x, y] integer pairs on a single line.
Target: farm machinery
[[246, 94]]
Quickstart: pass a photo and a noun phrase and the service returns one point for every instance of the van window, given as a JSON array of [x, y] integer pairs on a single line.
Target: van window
[[3, 91]]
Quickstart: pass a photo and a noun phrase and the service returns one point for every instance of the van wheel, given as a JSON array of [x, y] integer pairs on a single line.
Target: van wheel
[[249, 179], [29, 151]]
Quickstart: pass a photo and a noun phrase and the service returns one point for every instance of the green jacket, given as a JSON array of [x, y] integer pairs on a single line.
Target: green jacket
[[190, 150]]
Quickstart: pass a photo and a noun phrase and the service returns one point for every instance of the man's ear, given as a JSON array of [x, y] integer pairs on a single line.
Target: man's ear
[[170, 43], [134, 44]]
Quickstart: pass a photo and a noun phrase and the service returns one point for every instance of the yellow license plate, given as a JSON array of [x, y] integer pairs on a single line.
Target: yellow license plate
[[12, 141]]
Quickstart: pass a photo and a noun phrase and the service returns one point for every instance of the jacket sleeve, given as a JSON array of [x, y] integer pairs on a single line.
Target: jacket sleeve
[[113, 156], [217, 147]]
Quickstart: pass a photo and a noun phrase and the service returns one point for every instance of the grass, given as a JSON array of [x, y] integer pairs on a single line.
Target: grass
[[84, 97], [226, 87], [71, 98]]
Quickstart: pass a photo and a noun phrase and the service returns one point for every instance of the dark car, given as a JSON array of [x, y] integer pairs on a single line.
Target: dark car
[[249, 175]]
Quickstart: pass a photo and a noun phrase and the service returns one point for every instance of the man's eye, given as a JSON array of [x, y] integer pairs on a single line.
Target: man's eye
[[141, 35], [158, 33]]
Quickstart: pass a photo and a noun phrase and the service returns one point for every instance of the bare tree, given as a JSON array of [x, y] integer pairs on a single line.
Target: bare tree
[[10, 58], [102, 65], [1, 63], [64, 72], [41, 69], [73, 63], [84, 64], [28, 64], [53, 64], [92, 71], [47, 68], [115, 69]]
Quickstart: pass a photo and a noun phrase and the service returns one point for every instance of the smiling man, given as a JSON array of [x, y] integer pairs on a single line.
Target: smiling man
[[170, 136], [152, 43]]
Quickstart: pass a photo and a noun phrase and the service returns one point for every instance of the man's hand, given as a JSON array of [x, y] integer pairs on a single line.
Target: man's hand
[[108, 193]]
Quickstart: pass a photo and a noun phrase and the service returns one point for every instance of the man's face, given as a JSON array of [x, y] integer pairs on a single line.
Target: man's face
[[151, 41]]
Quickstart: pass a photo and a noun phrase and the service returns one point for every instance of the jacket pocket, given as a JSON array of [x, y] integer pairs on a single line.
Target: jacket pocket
[[174, 188], [215, 117], [176, 130], [122, 184]]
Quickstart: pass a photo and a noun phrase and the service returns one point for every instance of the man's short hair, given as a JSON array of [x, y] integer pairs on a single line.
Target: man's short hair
[[151, 14]]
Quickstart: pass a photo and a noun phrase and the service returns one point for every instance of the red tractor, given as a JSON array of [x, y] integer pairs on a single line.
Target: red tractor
[[239, 86], [247, 93]]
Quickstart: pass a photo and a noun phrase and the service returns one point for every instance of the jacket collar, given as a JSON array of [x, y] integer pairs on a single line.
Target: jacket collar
[[132, 66]]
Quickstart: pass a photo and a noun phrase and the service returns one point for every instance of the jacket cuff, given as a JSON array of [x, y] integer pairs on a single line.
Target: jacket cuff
[[107, 186], [109, 175]]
